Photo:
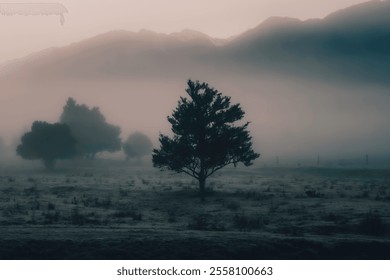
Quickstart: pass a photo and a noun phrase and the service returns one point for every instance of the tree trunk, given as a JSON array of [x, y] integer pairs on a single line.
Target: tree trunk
[[202, 188]]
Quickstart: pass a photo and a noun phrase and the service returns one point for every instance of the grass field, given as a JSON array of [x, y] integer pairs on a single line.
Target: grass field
[[113, 210]]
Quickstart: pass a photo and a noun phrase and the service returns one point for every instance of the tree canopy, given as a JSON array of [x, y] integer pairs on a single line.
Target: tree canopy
[[137, 145], [206, 138], [89, 127], [47, 142]]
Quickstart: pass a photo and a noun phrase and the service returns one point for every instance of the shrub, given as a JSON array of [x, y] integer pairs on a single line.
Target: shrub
[[205, 222], [51, 217], [131, 212], [313, 193], [246, 223], [50, 206], [372, 224], [233, 205], [76, 217]]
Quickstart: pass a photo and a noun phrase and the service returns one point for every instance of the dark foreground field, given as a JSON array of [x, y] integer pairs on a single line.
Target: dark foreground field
[[30, 243], [110, 210]]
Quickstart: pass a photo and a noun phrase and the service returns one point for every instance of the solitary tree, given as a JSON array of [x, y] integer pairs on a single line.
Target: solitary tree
[[89, 127], [47, 142], [206, 138], [137, 145]]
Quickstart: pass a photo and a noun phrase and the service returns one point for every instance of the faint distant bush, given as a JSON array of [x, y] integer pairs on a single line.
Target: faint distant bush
[[31, 191], [11, 179], [268, 189], [171, 216], [205, 222], [50, 206], [133, 213], [364, 194], [14, 209], [124, 193], [289, 229], [145, 182], [103, 203], [333, 217], [341, 194], [245, 222], [372, 224], [9, 191], [87, 174], [137, 145], [172, 213], [62, 191], [254, 195], [127, 210], [31, 180], [35, 205], [75, 201], [91, 201], [76, 217], [51, 217], [209, 190], [32, 218], [273, 208], [233, 205], [310, 192]]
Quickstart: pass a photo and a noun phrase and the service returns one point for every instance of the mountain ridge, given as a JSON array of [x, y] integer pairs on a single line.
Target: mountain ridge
[[277, 44]]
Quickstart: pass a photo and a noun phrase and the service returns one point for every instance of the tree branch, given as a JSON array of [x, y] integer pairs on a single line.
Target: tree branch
[[213, 170], [190, 172]]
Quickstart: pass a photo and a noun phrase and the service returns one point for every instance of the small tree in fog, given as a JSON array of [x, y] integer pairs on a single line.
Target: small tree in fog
[[89, 127], [137, 145], [206, 138], [47, 142]]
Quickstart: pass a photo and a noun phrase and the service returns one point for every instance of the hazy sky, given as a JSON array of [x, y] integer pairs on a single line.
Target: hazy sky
[[21, 35]]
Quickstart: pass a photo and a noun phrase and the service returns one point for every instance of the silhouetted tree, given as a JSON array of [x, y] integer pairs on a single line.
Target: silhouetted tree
[[137, 145], [205, 136], [47, 142], [89, 127]]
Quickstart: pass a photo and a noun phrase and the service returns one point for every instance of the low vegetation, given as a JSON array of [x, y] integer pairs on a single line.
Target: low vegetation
[[274, 203]]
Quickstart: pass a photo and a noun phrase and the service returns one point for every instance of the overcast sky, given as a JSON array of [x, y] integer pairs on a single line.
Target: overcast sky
[[20, 35]]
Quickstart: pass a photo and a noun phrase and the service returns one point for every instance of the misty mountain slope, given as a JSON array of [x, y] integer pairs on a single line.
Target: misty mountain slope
[[120, 54], [351, 44], [357, 15]]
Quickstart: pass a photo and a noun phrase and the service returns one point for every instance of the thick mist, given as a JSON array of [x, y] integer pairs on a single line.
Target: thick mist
[[311, 89], [290, 119]]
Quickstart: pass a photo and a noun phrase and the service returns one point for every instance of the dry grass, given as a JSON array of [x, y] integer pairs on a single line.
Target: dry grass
[[285, 202]]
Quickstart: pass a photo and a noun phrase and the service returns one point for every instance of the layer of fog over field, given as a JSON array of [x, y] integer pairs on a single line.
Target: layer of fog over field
[[297, 108]]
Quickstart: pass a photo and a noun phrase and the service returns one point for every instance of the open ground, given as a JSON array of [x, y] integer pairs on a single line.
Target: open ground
[[107, 209]]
